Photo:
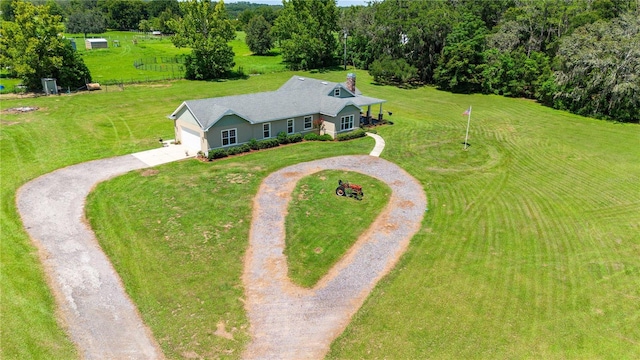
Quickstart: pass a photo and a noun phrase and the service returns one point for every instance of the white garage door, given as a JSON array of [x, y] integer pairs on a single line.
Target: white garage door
[[191, 139]]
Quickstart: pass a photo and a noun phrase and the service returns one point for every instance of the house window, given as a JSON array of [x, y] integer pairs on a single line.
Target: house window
[[346, 122], [336, 92], [229, 137], [308, 122], [266, 130], [290, 128]]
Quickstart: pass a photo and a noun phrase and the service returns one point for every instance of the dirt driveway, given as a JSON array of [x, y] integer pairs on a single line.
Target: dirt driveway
[[289, 322], [98, 314]]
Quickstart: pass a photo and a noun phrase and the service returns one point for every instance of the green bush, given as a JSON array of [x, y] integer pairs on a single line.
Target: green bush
[[217, 154], [234, 150], [268, 143], [295, 138], [283, 138], [387, 70], [311, 136], [325, 137], [253, 144], [352, 135], [245, 148]]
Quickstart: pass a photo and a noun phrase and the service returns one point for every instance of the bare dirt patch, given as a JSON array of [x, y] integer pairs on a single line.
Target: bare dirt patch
[[222, 332], [149, 172], [406, 204], [20, 110]]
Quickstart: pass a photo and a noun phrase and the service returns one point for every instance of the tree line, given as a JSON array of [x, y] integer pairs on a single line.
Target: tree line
[[578, 55]]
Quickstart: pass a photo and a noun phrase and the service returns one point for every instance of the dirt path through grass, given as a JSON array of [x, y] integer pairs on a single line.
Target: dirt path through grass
[[100, 317], [289, 322]]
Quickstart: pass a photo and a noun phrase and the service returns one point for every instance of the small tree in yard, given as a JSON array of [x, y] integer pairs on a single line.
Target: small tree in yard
[[318, 125], [33, 47], [258, 35], [205, 29]]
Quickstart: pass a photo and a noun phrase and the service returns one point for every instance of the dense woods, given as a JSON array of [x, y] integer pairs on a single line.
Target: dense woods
[[578, 55]]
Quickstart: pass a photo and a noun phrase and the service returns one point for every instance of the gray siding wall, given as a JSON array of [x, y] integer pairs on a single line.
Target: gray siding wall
[[244, 131], [348, 110]]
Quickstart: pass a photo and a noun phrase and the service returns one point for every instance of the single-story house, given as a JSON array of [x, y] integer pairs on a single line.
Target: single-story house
[[206, 124], [96, 44]]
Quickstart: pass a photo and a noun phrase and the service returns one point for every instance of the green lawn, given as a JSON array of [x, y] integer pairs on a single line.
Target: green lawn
[[67, 130], [321, 226], [529, 248], [255, 64], [200, 231], [116, 63]]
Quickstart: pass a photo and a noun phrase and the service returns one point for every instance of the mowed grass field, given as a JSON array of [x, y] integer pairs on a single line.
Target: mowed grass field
[[117, 63], [529, 249]]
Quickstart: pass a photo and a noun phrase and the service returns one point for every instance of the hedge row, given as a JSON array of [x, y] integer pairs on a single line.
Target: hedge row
[[254, 144], [282, 138], [352, 135], [316, 137]]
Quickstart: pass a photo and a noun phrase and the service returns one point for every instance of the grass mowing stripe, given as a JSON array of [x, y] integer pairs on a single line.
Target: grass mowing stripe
[[482, 279]]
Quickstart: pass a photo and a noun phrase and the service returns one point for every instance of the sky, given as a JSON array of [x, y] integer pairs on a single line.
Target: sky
[[279, 2]]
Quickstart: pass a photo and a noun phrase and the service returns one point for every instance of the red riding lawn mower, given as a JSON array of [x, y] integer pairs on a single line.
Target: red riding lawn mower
[[350, 190]]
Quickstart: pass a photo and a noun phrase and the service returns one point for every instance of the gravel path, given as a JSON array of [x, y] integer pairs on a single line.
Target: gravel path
[[289, 322], [100, 317]]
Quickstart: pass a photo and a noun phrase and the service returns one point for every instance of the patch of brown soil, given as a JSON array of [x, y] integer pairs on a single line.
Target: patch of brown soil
[[222, 332], [20, 110], [149, 172], [407, 204]]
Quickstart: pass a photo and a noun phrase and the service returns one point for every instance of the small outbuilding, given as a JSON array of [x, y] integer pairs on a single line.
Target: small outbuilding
[[96, 43]]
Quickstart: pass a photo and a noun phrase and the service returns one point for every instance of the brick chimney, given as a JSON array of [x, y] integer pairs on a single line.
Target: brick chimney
[[351, 82]]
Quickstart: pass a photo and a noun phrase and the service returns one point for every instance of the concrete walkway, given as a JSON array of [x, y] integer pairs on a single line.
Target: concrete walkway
[[100, 317], [377, 149], [164, 155], [289, 322]]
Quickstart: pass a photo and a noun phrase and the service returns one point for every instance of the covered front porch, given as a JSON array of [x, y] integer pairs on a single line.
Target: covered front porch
[[368, 118]]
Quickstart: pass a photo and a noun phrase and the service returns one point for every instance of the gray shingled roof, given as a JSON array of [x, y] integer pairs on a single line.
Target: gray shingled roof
[[297, 97]]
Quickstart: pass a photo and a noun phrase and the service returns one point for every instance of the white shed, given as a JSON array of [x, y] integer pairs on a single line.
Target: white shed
[[96, 44]]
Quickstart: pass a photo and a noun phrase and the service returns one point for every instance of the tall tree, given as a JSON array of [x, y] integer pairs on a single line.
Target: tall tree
[[33, 47], [459, 67], [124, 14], [6, 6], [599, 71], [163, 21], [205, 28], [306, 32], [156, 7], [89, 21], [258, 35]]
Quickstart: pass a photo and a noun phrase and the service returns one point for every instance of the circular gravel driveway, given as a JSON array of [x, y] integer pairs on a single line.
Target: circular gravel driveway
[[289, 322], [286, 321]]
